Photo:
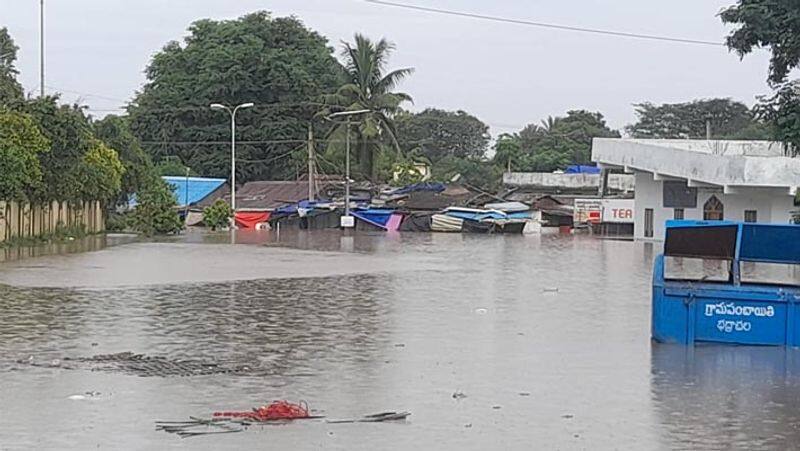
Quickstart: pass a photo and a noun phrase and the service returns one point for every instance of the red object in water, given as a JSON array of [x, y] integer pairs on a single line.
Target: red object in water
[[249, 219], [278, 410]]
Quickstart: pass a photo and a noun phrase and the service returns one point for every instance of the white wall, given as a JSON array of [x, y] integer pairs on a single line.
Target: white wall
[[772, 205]]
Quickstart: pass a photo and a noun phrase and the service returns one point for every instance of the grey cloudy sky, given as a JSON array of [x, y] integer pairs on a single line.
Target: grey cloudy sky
[[508, 75]]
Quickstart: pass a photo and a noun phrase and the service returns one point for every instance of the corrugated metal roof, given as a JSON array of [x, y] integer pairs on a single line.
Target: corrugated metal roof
[[192, 189]]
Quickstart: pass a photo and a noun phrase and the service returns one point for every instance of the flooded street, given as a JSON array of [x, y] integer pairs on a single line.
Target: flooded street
[[548, 338]]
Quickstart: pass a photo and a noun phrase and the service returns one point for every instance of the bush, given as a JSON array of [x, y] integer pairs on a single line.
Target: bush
[[155, 212], [217, 215], [116, 222]]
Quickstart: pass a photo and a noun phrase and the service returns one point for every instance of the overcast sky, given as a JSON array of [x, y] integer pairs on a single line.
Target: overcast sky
[[507, 75]]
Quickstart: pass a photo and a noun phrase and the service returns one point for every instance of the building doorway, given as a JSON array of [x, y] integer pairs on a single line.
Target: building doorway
[[713, 210]]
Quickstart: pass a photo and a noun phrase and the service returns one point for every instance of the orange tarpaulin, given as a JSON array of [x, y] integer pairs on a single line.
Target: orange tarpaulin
[[249, 219]]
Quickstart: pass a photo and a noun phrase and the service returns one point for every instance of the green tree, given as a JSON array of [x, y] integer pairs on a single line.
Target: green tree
[[276, 63], [155, 212], [21, 143], [101, 173], [70, 135], [561, 141], [115, 133], [10, 89], [436, 134], [474, 171], [729, 120], [369, 87], [766, 23], [783, 110], [773, 24], [172, 166], [217, 215], [508, 152]]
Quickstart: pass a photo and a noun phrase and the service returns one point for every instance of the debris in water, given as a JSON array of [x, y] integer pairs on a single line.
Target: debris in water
[[400, 345], [459, 395], [524, 393], [468, 425], [85, 395], [550, 290], [567, 416], [497, 407], [481, 311], [376, 418], [278, 410]]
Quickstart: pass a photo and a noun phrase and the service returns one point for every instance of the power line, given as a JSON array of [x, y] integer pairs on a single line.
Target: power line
[[623, 34]]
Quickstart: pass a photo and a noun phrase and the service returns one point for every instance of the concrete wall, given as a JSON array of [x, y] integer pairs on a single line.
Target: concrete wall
[[772, 205], [568, 182], [26, 220]]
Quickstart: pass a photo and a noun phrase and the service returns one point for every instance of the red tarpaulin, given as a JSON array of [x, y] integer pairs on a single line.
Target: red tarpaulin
[[249, 219]]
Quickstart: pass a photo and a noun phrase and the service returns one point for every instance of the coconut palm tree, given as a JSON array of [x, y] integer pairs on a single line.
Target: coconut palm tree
[[369, 87]]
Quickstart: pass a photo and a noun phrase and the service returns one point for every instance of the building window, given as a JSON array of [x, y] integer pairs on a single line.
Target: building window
[[648, 223], [678, 213], [750, 216], [713, 210]]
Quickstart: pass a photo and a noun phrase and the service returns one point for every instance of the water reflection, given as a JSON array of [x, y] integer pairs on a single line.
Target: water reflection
[[86, 244], [724, 397]]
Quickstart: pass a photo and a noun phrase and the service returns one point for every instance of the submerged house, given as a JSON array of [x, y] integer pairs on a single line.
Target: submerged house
[[712, 180]]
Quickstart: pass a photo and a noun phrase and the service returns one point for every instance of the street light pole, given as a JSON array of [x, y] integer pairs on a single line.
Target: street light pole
[[346, 221], [41, 48], [232, 112]]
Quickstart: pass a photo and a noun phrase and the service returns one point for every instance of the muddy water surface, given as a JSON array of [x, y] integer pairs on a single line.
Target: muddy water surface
[[546, 336]]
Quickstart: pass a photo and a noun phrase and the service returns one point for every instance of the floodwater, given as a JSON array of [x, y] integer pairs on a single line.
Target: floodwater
[[546, 337]]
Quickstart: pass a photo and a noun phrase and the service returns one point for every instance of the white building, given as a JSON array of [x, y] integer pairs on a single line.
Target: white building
[[699, 179]]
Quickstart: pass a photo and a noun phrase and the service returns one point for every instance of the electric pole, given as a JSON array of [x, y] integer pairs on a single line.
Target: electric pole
[[311, 164], [41, 48]]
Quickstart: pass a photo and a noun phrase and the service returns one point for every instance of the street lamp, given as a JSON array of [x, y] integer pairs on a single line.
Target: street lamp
[[347, 220], [232, 112]]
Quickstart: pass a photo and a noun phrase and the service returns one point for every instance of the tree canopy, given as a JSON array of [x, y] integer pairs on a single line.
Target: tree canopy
[[766, 23], [115, 133], [21, 143], [276, 63], [555, 143], [729, 120], [368, 86], [10, 89], [436, 134]]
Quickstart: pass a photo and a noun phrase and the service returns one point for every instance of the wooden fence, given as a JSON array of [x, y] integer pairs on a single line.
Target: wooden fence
[[20, 220]]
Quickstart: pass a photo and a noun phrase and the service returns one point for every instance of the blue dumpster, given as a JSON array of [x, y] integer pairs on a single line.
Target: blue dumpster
[[727, 282]]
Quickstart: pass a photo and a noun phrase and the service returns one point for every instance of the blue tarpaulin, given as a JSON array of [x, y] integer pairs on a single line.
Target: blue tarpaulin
[[582, 169], [192, 189], [375, 216]]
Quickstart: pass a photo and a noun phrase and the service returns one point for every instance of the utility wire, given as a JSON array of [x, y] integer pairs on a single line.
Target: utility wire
[[623, 34]]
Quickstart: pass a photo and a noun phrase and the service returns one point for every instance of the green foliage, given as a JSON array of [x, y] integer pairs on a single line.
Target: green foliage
[[276, 63], [477, 172], [773, 24], [102, 173], [729, 120], [21, 143], [61, 234], [155, 212], [217, 215], [115, 133], [118, 222], [70, 135], [782, 110], [368, 87], [554, 144], [10, 89], [436, 134], [172, 166]]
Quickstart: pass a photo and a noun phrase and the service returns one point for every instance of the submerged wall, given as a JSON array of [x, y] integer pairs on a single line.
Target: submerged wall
[[23, 220]]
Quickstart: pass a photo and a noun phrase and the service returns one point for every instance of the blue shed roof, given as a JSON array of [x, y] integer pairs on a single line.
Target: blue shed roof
[[193, 189]]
